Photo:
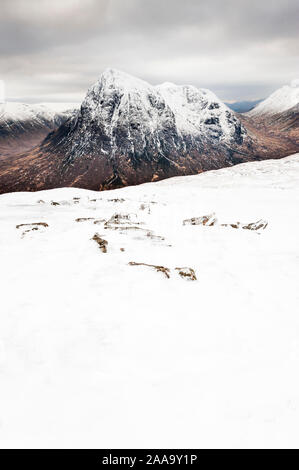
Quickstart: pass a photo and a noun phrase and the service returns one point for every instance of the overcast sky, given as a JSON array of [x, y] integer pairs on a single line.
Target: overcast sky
[[53, 50]]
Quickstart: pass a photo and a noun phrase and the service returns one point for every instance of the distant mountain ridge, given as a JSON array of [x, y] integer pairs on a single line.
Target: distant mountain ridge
[[23, 125], [280, 101]]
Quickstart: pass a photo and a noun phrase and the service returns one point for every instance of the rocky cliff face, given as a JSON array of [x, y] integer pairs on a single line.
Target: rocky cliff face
[[122, 115]]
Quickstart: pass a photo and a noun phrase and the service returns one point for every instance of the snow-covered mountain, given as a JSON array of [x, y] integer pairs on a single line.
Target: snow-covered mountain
[[124, 114], [22, 125], [280, 101], [199, 113], [103, 323], [275, 121], [128, 132]]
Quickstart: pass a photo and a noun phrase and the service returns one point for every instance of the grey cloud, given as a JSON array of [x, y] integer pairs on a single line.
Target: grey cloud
[[240, 49], [36, 25]]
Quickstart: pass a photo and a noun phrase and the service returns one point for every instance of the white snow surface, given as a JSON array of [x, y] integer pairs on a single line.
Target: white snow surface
[[281, 100], [95, 352]]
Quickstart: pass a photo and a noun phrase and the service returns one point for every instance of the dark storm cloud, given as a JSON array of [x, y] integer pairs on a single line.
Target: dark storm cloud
[[54, 49]]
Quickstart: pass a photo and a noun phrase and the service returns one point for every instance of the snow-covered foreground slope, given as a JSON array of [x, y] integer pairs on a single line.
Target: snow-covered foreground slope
[[97, 352]]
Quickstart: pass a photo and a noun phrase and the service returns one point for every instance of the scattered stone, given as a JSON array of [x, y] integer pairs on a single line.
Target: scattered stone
[[40, 201], [211, 220], [44, 224], [54, 203], [99, 221], [159, 269], [83, 219], [101, 242], [29, 230], [116, 200], [235, 225], [121, 219], [207, 220], [118, 219], [187, 273], [143, 206], [259, 225], [123, 228], [122, 249], [152, 236]]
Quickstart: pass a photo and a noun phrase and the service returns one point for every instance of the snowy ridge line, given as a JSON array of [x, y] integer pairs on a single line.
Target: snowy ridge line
[[281, 100], [18, 112]]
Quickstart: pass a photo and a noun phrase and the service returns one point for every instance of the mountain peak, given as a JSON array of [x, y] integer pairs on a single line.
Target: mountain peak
[[116, 78], [119, 102], [280, 101]]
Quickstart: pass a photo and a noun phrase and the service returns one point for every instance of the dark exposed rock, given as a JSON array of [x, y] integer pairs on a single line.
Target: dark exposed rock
[[116, 200], [84, 219], [187, 273], [99, 221], [159, 269], [43, 224], [101, 242], [259, 225], [208, 220], [234, 225]]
